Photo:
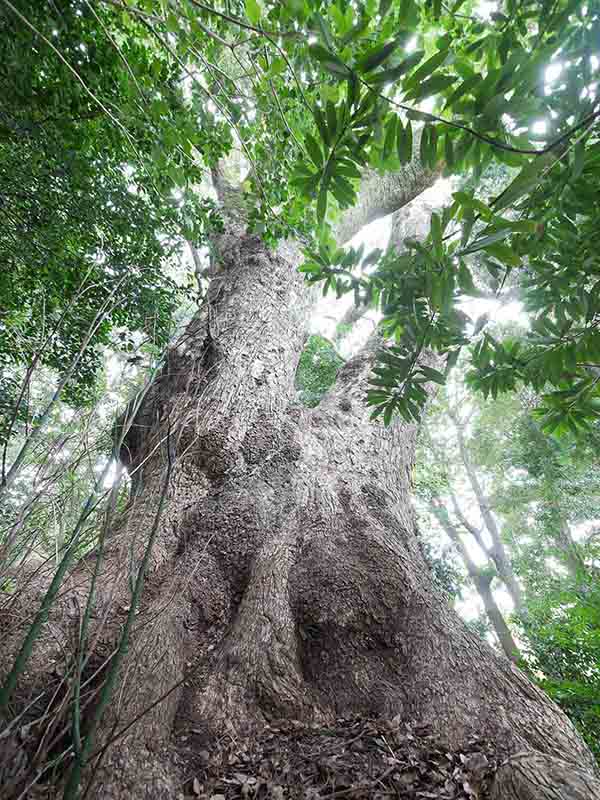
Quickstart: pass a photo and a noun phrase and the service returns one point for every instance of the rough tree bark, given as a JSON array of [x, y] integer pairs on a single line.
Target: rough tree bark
[[285, 578]]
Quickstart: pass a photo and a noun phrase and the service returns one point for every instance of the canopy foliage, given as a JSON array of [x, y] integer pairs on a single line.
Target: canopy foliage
[[313, 93]]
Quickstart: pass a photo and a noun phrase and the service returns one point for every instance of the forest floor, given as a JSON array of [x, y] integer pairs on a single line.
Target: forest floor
[[356, 758]]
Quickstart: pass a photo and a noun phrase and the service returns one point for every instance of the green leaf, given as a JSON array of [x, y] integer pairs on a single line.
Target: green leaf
[[526, 180], [173, 23], [427, 68], [484, 241], [343, 191], [329, 61], [321, 125], [467, 200], [461, 90], [405, 142], [253, 11], [495, 107], [465, 279], [504, 254], [432, 86], [376, 56], [409, 14], [578, 160], [346, 168], [278, 67], [391, 75], [388, 414], [331, 120], [384, 7], [390, 137], [314, 151], [322, 202], [325, 32], [307, 185], [353, 90], [432, 374]]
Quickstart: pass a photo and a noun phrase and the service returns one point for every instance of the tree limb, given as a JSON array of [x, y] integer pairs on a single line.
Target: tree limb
[[381, 195]]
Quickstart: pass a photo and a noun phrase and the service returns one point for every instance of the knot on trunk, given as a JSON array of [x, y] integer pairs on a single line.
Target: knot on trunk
[[272, 441]]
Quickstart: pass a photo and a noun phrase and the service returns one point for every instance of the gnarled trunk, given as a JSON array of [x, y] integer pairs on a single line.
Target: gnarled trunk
[[285, 577]]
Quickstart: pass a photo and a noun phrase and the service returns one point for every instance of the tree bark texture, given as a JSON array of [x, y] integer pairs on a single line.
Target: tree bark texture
[[285, 579], [381, 195]]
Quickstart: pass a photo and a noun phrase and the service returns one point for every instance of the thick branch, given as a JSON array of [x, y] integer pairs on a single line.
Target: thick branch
[[381, 195]]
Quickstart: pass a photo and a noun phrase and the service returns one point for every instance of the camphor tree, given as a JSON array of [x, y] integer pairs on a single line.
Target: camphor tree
[[267, 563]]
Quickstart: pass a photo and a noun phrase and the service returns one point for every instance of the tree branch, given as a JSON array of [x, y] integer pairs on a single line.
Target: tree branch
[[467, 525], [381, 195]]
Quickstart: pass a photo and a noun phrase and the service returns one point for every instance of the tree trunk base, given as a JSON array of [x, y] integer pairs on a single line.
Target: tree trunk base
[[372, 758], [535, 776], [354, 757]]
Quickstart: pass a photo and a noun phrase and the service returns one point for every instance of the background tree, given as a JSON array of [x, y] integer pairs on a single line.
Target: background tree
[[539, 490], [548, 498]]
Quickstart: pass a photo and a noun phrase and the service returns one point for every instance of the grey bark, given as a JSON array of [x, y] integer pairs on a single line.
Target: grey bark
[[381, 195], [526, 776], [573, 559]]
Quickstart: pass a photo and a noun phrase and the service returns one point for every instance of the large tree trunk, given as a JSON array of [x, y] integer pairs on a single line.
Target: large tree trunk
[[285, 578]]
